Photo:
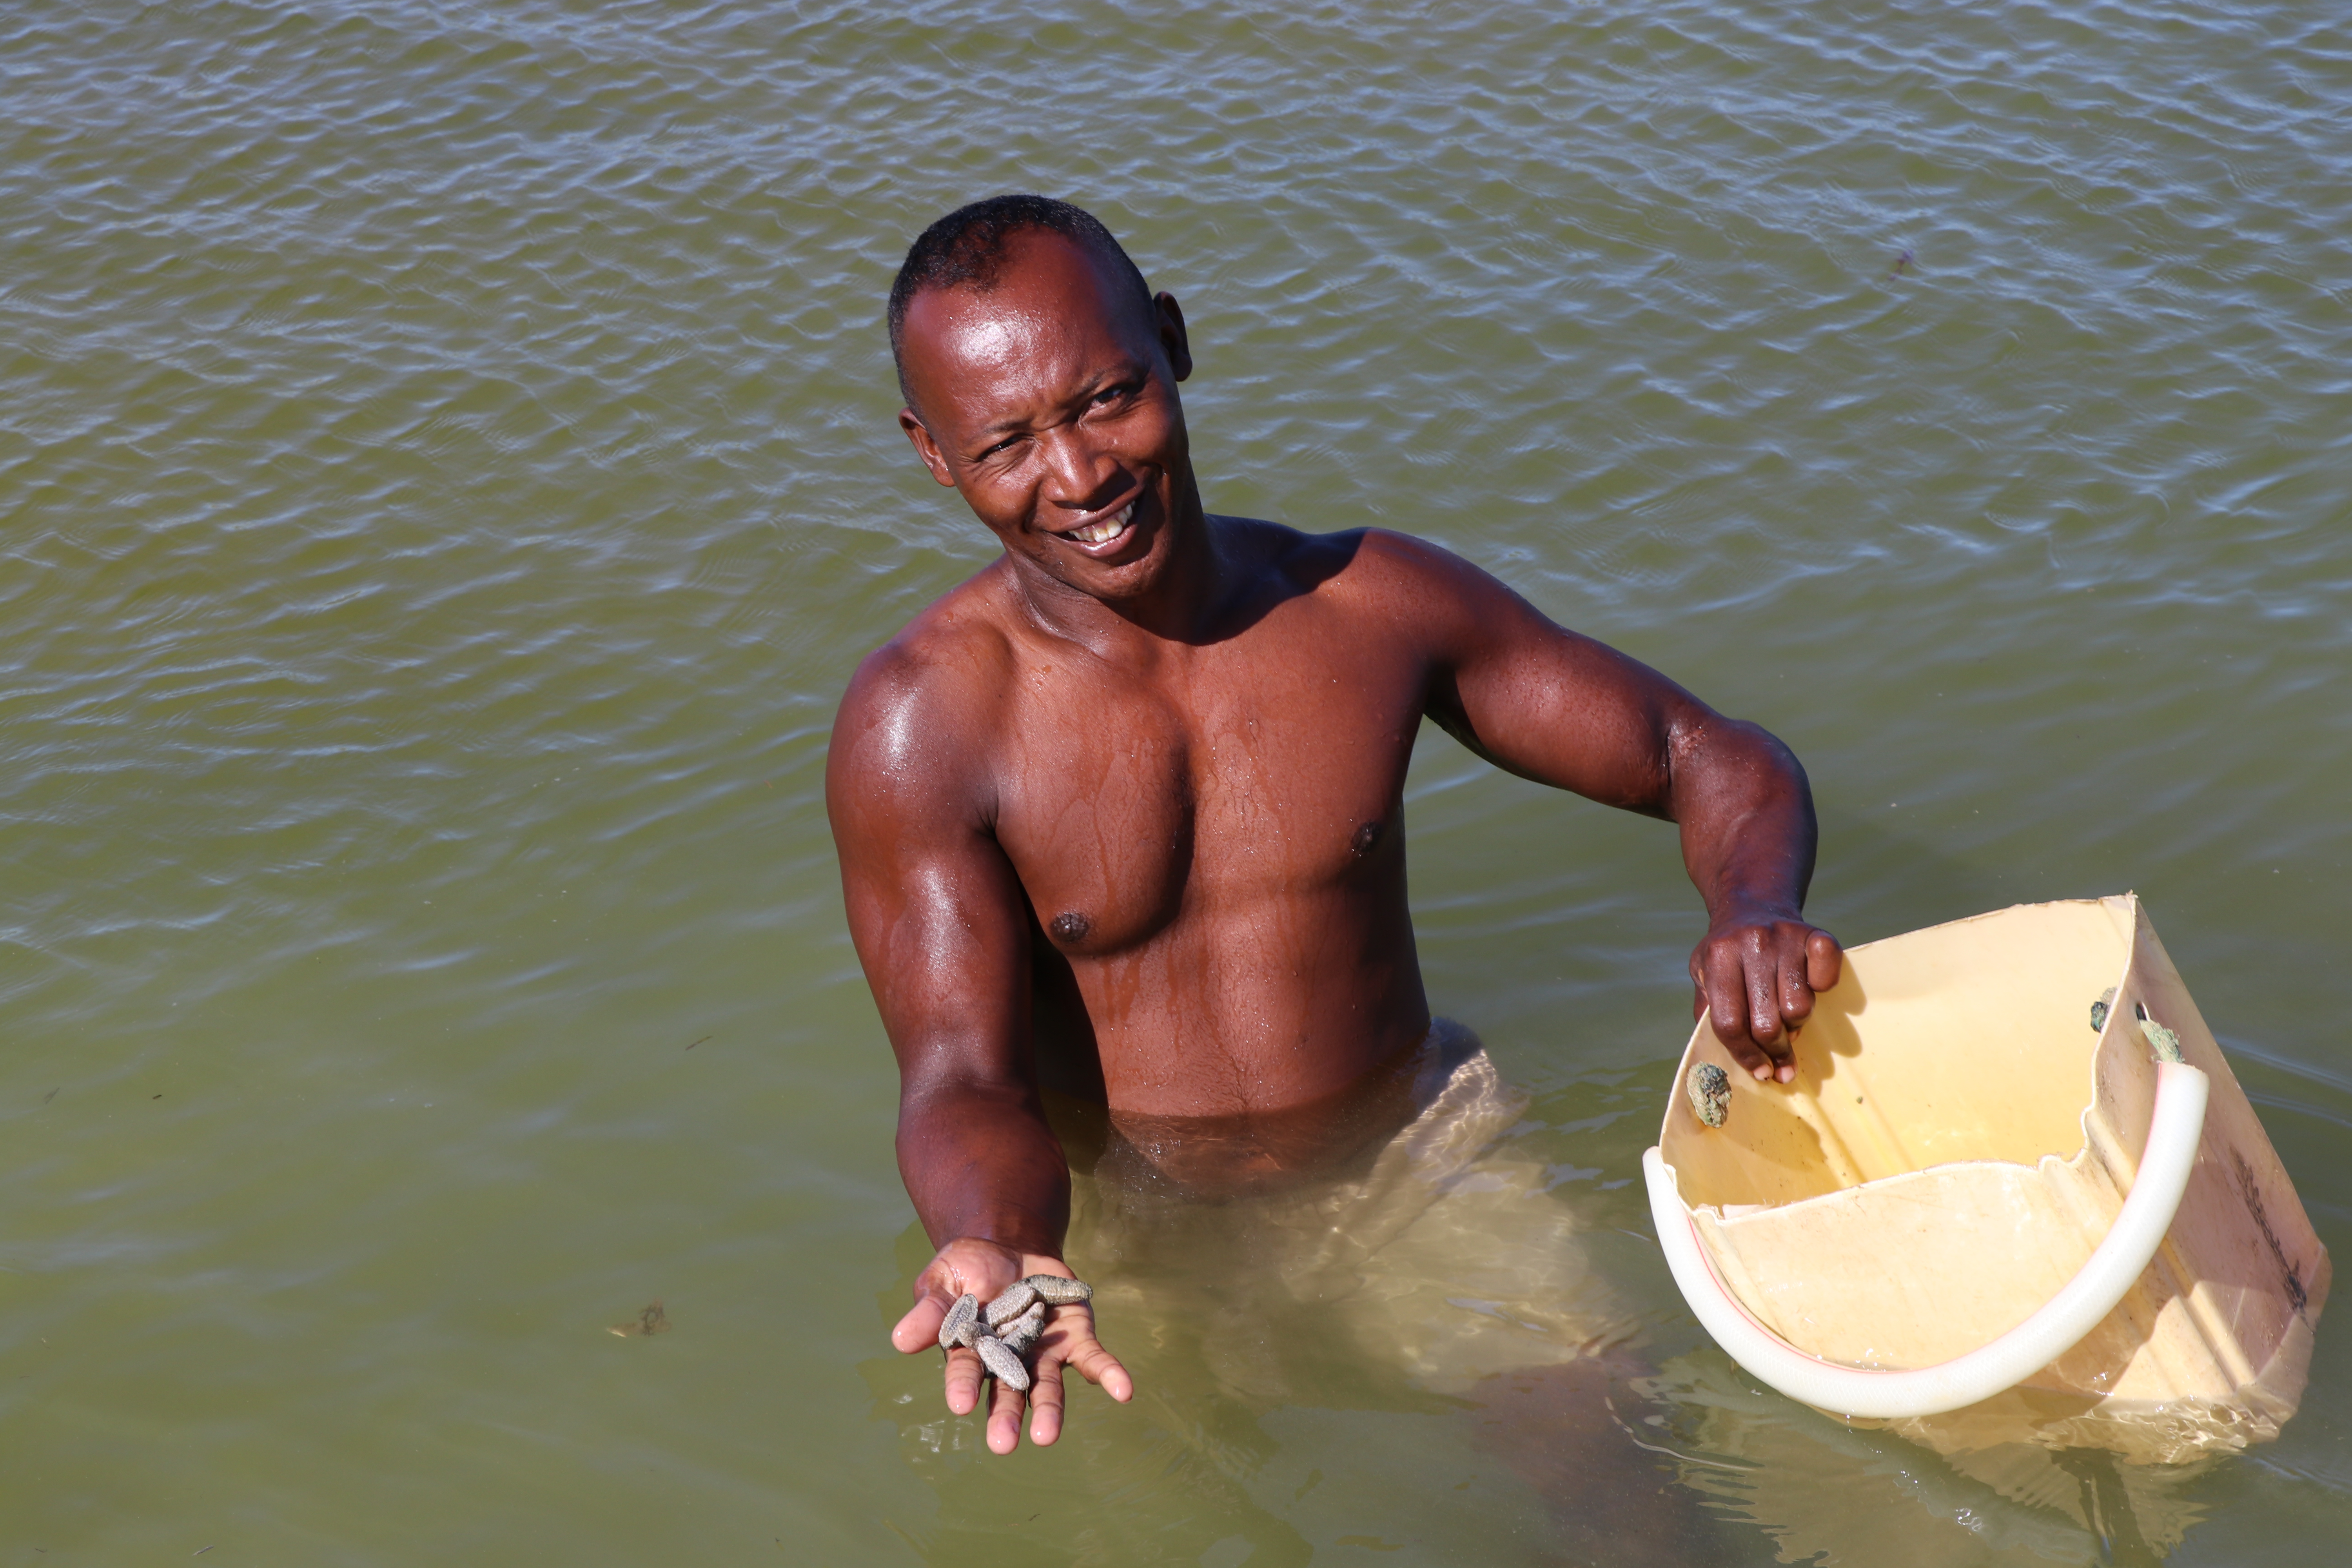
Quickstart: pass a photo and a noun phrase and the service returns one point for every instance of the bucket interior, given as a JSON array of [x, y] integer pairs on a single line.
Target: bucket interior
[[1967, 1041]]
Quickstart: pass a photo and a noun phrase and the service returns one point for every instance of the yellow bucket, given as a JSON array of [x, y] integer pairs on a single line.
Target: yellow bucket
[[2014, 1194]]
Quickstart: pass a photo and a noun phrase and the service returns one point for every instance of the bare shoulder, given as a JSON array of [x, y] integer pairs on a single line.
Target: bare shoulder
[[955, 650], [922, 709], [1408, 583], [1401, 564]]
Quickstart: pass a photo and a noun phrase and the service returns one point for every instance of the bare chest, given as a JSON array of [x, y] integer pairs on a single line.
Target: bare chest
[[1233, 777]]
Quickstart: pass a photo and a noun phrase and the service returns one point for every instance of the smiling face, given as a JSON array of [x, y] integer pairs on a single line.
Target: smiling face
[[1049, 402]]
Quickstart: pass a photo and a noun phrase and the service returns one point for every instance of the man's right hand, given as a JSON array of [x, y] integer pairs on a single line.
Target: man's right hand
[[986, 1269]]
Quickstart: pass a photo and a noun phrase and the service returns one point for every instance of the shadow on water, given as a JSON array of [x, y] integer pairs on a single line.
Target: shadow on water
[[1821, 1490], [2106, 1507]]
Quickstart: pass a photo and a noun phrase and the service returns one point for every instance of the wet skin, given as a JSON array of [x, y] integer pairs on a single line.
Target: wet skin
[[1122, 814]]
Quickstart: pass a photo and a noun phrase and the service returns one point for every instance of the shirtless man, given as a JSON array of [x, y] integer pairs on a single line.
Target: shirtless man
[[1122, 816]]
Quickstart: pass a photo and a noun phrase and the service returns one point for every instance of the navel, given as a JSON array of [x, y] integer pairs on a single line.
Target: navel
[[1070, 926], [1366, 836]]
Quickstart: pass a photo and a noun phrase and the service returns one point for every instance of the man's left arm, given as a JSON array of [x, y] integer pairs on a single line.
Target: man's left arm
[[1550, 705]]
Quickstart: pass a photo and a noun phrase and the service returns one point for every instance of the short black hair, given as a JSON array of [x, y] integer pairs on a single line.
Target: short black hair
[[968, 250]]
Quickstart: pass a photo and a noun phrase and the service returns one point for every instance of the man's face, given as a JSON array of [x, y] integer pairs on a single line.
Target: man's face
[[1049, 402]]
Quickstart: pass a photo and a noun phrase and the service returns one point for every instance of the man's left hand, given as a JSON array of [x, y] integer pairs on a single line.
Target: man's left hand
[[1755, 976]]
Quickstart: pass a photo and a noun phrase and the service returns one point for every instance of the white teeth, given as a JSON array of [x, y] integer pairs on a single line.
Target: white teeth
[[1110, 527]]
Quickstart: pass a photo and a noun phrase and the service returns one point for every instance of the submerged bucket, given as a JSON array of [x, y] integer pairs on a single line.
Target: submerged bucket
[[2014, 1194]]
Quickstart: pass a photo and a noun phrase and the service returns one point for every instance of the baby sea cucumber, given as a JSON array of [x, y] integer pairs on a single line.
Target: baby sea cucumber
[[1710, 1094], [1023, 1332], [1004, 1332], [962, 1320], [1011, 1305], [1003, 1362], [1058, 1292]]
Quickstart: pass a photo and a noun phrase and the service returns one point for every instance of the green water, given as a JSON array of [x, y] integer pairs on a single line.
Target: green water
[[447, 475]]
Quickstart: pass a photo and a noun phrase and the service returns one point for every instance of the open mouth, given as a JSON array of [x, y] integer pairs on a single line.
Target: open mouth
[[1103, 529]]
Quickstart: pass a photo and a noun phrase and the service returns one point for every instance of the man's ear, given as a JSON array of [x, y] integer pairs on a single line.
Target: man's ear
[[1173, 336], [925, 447]]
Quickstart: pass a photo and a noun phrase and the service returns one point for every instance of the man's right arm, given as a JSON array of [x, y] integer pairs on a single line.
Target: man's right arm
[[941, 927]]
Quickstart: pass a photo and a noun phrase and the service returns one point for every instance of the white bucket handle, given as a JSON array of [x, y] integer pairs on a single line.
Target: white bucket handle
[[2057, 1327]]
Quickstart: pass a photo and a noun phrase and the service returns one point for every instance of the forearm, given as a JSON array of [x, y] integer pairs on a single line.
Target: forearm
[[980, 1160], [989, 1181], [1746, 811], [1553, 706]]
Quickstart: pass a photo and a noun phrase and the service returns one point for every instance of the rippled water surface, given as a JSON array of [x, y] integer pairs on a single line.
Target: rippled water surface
[[448, 473]]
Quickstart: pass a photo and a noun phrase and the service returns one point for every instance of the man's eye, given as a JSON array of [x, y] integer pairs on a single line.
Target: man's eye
[[1113, 394]]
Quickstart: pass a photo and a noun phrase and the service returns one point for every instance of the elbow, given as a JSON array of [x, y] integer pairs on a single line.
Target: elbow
[[1713, 756], [932, 1104]]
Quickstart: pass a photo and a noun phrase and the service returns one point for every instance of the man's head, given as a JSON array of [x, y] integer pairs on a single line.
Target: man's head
[[969, 247], [1040, 376]]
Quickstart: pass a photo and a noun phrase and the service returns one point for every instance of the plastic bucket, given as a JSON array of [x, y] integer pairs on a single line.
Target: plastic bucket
[[2015, 1193]]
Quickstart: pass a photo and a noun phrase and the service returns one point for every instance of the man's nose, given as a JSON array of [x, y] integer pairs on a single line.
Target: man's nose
[[1081, 473]]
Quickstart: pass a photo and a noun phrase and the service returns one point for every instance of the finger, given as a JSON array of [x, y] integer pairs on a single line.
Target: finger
[[1098, 1365], [1761, 972], [1744, 1051], [1733, 1003], [1005, 1419], [1763, 1009], [1719, 982], [963, 1375], [1796, 993], [1823, 962], [920, 1329], [1046, 1402]]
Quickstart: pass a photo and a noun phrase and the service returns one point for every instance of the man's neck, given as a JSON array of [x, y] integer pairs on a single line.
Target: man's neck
[[1185, 604]]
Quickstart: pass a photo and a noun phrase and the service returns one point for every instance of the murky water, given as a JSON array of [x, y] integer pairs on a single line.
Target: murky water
[[447, 475]]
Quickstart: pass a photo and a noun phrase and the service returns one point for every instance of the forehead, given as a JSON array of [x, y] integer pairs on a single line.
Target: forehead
[[1056, 315]]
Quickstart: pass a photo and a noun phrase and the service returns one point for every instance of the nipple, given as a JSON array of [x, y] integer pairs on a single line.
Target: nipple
[[1366, 836], [1070, 926]]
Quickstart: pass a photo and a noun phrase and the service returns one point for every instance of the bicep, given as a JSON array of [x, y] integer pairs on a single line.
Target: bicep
[[943, 936], [1550, 704], [935, 911]]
